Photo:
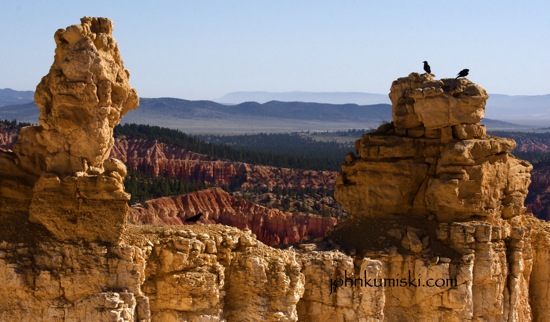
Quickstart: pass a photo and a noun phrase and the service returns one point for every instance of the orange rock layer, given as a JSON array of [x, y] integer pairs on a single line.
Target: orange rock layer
[[271, 226]]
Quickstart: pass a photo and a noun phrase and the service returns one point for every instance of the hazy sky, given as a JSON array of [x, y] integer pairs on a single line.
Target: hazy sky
[[204, 49]]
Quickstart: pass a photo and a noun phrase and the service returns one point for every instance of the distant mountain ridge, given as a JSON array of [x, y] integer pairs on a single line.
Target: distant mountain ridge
[[209, 117], [273, 109], [522, 109], [358, 98], [201, 117], [9, 96]]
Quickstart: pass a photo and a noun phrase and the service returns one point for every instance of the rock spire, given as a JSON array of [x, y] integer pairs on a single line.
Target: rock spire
[[59, 172], [434, 159], [81, 99]]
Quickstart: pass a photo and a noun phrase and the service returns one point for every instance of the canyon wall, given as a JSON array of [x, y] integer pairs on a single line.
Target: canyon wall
[[161, 159], [271, 226]]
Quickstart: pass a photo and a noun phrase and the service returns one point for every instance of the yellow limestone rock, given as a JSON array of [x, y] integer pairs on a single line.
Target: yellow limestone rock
[[428, 204], [421, 100], [61, 165], [83, 97], [434, 159], [432, 195]]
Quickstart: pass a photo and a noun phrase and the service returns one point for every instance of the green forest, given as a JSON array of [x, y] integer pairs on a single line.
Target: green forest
[[142, 186], [280, 150]]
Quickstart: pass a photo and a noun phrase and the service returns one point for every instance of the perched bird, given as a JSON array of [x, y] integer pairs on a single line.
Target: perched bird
[[463, 73], [194, 218], [427, 68]]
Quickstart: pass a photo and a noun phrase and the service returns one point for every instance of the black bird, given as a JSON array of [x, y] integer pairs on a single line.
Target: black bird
[[463, 73], [194, 218], [427, 68]]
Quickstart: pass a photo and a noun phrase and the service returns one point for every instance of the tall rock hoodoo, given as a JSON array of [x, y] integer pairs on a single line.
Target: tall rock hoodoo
[[67, 252], [432, 195], [71, 187], [434, 159]]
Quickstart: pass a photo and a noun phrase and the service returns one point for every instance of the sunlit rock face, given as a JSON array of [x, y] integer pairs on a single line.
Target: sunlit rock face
[[434, 158], [81, 99], [59, 172], [419, 100], [428, 199], [431, 194]]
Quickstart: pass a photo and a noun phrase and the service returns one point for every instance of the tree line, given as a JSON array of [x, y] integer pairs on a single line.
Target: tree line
[[143, 186], [279, 150]]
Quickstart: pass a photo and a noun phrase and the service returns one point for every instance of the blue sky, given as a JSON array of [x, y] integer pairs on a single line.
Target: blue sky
[[205, 49]]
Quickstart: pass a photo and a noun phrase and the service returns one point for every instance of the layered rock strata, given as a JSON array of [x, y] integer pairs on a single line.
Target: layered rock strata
[[161, 159], [485, 261], [434, 158], [440, 199], [69, 184], [272, 226]]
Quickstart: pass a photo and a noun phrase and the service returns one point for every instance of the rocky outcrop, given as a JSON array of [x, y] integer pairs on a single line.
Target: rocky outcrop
[[272, 226], [59, 173], [443, 202], [156, 274], [434, 159], [427, 260], [83, 97], [66, 253]]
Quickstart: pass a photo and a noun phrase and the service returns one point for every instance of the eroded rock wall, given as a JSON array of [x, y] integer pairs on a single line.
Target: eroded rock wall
[[212, 273], [439, 197], [432, 200], [272, 226]]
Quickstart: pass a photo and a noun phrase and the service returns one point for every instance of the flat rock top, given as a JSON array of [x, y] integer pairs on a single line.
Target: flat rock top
[[420, 100]]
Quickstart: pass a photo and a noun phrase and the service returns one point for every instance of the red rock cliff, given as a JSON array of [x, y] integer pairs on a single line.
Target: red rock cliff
[[272, 226], [162, 159]]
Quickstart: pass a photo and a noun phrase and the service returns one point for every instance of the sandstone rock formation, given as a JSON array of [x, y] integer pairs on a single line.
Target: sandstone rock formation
[[272, 226], [83, 97], [440, 199], [69, 185], [434, 159], [63, 253], [156, 274], [467, 254]]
